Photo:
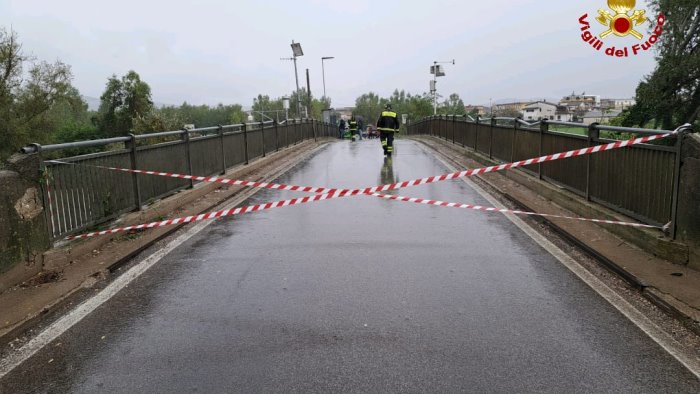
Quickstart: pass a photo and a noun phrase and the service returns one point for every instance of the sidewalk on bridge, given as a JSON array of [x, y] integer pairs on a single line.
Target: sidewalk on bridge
[[74, 271], [673, 287]]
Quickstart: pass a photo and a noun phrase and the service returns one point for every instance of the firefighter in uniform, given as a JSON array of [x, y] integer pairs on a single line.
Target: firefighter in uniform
[[388, 124], [353, 127]]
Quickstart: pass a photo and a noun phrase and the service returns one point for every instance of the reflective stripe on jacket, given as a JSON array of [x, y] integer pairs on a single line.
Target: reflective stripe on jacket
[[388, 122]]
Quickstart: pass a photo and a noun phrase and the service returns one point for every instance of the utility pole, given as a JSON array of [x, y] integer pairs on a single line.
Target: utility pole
[[437, 71], [296, 76], [308, 93], [296, 52]]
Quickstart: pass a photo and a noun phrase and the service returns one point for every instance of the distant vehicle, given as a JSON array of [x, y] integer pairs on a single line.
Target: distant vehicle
[[372, 132]]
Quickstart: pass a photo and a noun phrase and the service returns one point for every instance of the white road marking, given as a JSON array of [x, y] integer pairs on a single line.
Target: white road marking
[[654, 332]]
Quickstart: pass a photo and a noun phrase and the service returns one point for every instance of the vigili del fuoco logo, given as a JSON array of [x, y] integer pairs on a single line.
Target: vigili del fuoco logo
[[621, 20]]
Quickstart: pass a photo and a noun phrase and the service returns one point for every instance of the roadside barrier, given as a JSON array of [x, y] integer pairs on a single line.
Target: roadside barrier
[[332, 193]]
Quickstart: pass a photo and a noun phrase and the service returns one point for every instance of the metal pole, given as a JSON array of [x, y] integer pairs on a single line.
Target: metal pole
[[323, 71], [593, 134], [186, 137], [131, 145], [515, 137], [296, 76], [308, 93], [262, 135], [544, 127], [434, 88], [493, 123], [676, 186], [245, 142], [277, 137], [223, 150]]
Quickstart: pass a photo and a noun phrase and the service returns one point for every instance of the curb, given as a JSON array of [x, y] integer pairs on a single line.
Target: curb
[[64, 300], [667, 303]]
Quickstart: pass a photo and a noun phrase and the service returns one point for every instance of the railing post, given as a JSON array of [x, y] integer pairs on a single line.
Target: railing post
[[544, 127], [493, 123], [313, 128], [476, 132], [516, 124], [277, 136], [131, 146], [296, 131], [593, 135], [454, 120], [262, 134], [186, 138], [676, 185], [245, 142], [220, 131]]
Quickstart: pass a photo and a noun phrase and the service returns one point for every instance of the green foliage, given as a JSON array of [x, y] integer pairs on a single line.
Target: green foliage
[[370, 105], [123, 101], [670, 95], [33, 106], [314, 105], [452, 106]]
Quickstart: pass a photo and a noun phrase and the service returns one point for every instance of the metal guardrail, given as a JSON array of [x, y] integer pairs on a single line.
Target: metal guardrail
[[79, 197], [640, 181]]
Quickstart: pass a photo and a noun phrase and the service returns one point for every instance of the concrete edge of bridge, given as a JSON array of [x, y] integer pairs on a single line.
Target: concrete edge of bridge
[[656, 278], [81, 266]]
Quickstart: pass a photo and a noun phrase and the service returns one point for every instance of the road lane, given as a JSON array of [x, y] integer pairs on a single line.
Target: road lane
[[356, 294]]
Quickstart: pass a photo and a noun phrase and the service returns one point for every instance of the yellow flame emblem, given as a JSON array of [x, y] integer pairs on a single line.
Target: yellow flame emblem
[[622, 23]]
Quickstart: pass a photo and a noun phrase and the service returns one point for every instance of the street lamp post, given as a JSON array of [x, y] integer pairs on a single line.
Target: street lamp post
[[296, 52], [323, 70], [437, 71]]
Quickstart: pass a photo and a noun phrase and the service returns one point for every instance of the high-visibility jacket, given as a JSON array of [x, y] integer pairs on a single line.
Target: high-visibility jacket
[[388, 122], [353, 125]]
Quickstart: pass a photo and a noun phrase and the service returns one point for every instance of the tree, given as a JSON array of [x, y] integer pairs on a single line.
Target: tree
[[270, 108], [452, 106], [670, 95], [369, 106], [416, 107], [123, 101], [36, 106]]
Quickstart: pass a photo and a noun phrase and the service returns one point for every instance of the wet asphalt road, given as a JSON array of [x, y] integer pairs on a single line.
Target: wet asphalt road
[[356, 295]]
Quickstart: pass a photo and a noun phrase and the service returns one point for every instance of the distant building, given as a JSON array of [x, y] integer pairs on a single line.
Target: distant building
[[345, 112], [619, 104], [515, 106], [563, 114], [539, 110], [479, 109], [602, 117], [580, 102]]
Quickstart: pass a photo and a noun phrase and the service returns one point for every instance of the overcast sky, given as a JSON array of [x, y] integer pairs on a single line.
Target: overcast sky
[[207, 51]]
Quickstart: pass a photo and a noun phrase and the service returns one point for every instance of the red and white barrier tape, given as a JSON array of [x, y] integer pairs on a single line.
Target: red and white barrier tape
[[393, 186], [491, 209], [330, 196], [331, 193], [218, 214]]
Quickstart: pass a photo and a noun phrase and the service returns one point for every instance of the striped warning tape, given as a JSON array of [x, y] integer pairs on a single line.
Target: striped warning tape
[[219, 214], [331, 193], [491, 209], [329, 196], [393, 186]]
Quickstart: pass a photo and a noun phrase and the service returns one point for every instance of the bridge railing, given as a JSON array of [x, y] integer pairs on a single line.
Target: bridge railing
[[79, 197], [640, 181]]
